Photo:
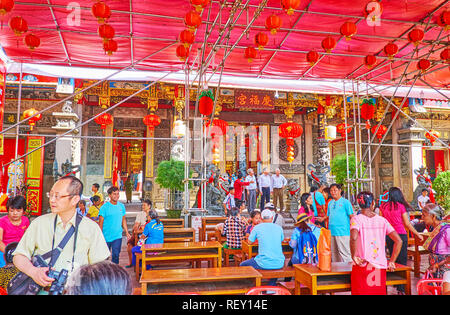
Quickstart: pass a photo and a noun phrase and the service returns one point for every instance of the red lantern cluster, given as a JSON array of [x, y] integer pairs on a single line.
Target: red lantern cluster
[[381, 131], [423, 65], [33, 120], [444, 20], [192, 20], [348, 29], [370, 61], [106, 32], [390, 50], [289, 6], [199, 5], [206, 103], [110, 47], [312, 57], [416, 36], [250, 53], [18, 25], [32, 41], [182, 52], [6, 6], [104, 120], [328, 44], [273, 23], [187, 38], [290, 130], [343, 128], [261, 40], [367, 111]]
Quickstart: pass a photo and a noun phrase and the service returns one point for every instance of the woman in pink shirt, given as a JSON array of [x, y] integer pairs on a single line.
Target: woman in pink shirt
[[367, 245], [13, 225], [306, 202]]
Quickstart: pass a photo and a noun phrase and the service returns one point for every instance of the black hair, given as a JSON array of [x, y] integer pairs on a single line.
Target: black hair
[[18, 202], [303, 199], [75, 186], [234, 211], [96, 185], [232, 187], [154, 216], [327, 191], [396, 197], [95, 198], [149, 202], [9, 250], [365, 199], [102, 278], [112, 189], [255, 213], [239, 175], [424, 190], [338, 186], [313, 188], [83, 202]]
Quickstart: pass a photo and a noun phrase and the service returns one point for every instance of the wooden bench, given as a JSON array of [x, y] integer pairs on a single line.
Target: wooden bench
[[179, 235], [290, 286], [209, 226], [172, 223], [285, 272]]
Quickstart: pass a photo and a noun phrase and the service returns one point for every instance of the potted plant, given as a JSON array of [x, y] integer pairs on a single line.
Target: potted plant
[[339, 169], [170, 175], [441, 185]]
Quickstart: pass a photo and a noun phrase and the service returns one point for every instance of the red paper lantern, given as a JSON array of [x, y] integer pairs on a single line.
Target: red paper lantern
[[32, 121], [104, 120], [101, 12], [445, 55], [182, 52], [187, 38], [199, 5], [370, 61], [205, 105], [250, 53], [273, 23], [192, 20], [312, 57], [110, 46], [348, 29], [152, 120], [367, 110], [416, 36], [18, 25], [221, 124], [106, 32], [343, 128], [328, 44], [423, 65], [32, 41], [261, 40], [381, 131], [390, 50], [444, 20], [6, 6], [290, 130], [290, 5]]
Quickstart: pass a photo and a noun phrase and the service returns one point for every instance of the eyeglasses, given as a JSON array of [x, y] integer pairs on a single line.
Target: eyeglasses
[[57, 197]]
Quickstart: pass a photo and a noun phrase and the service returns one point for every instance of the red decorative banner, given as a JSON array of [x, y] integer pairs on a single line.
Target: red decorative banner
[[34, 166], [251, 99], [2, 100]]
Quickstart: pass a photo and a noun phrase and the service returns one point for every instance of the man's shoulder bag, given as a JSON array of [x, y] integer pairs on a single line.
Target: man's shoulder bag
[[22, 284]]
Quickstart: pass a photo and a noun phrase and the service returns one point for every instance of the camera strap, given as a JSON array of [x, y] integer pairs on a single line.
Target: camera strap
[[55, 252]]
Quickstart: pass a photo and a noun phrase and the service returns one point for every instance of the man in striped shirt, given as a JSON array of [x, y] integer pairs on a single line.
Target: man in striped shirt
[[229, 202]]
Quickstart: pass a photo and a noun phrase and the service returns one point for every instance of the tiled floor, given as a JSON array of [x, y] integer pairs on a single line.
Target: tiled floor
[[391, 290]]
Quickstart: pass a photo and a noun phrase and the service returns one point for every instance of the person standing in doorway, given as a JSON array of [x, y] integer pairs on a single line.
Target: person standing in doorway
[[278, 184], [251, 189], [112, 222], [340, 212], [265, 188], [96, 192]]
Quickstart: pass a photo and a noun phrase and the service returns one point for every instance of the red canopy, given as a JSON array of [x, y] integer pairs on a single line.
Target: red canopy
[[69, 37]]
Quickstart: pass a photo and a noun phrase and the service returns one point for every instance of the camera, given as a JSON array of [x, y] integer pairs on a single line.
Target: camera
[[58, 284]]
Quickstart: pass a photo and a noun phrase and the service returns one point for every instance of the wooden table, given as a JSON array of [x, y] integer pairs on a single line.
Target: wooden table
[[338, 279], [172, 223], [209, 226], [179, 235], [252, 250], [183, 251], [213, 281], [416, 250]]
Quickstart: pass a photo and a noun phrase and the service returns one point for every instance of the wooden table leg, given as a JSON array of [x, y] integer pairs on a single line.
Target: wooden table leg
[[143, 288], [408, 283]]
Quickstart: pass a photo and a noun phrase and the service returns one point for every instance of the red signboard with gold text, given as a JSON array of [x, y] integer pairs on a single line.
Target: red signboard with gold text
[[251, 99], [34, 167], [2, 101]]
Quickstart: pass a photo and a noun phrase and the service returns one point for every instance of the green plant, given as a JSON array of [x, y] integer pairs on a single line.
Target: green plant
[[170, 175], [339, 168], [441, 185]]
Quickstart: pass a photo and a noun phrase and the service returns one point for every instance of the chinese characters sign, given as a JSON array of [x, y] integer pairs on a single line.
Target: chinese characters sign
[[251, 99]]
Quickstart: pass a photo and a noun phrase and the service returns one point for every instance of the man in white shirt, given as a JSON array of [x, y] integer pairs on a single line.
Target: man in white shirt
[[278, 183], [251, 189], [265, 187]]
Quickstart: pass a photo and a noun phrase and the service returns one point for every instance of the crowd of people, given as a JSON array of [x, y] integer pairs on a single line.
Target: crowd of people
[[371, 236]]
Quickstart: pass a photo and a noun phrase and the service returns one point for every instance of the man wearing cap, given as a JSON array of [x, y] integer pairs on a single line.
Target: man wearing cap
[[277, 218], [269, 237]]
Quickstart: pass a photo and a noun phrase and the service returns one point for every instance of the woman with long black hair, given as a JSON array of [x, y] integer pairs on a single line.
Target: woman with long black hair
[[306, 202], [395, 210]]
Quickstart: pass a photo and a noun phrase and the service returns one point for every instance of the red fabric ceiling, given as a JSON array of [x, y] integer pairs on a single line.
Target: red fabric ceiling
[[156, 24]]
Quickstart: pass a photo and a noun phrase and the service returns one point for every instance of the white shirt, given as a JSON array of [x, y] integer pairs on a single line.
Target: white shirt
[[422, 201], [250, 178], [278, 181], [265, 181]]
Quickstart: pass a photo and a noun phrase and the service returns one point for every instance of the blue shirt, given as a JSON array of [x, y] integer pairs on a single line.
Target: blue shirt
[[154, 232], [229, 201], [320, 199], [270, 253], [112, 220], [339, 220]]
